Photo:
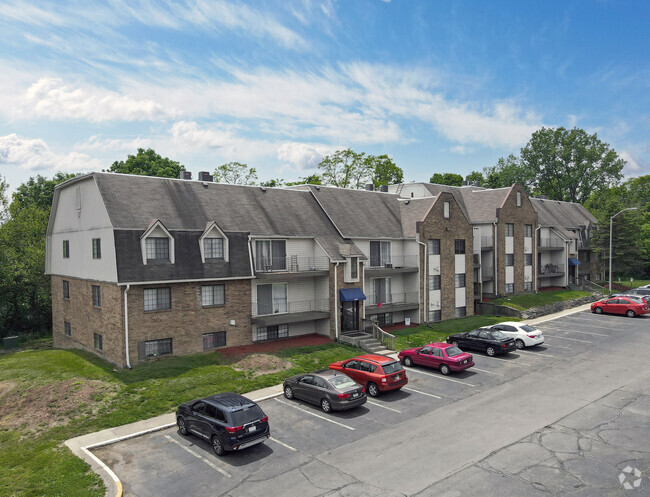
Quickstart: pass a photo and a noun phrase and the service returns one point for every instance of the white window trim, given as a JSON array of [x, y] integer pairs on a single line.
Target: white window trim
[[146, 234], [348, 270], [446, 210], [213, 226]]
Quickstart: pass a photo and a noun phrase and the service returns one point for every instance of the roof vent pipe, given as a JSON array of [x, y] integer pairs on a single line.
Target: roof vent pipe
[[186, 175], [383, 188], [477, 183], [205, 176], [465, 183], [370, 187]]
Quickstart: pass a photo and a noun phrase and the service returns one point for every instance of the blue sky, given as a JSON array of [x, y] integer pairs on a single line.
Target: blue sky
[[438, 86]]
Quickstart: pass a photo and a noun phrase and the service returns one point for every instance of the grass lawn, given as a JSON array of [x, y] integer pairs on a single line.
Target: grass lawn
[[49, 396], [421, 335], [528, 300]]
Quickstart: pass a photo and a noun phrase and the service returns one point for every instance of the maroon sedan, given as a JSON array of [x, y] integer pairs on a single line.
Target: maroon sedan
[[443, 356], [621, 305]]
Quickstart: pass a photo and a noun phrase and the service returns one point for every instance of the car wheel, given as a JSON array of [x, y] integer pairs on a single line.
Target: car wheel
[[373, 389], [182, 429], [325, 405], [490, 351], [408, 362], [444, 369], [217, 446], [630, 313], [519, 343], [454, 343], [288, 392], [598, 310]]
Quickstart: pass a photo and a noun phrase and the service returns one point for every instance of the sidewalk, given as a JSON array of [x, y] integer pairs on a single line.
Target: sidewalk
[[81, 446]]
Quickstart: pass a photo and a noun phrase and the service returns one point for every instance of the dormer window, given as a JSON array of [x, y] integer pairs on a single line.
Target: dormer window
[[157, 248], [157, 244], [213, 248], [213, 244]]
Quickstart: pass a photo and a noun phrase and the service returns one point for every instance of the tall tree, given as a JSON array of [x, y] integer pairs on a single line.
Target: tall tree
[[475, 176], [148, 163], [451, 179], [506, 172], [235, 173], [312, 179], [383, 170], [37, 192], [272, 183], [4, 202], [350, 169]]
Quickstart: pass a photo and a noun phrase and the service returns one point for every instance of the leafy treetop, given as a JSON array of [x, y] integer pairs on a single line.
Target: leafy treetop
[[148, 163]]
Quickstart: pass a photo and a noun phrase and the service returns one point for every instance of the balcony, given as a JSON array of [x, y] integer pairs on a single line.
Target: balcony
[[584, 244], [477, 261], [392, 303], [551, 270], [487, 243], [291, 267], [281, 311], [391, 265], [477, 290], [487, 273], [552, 243]]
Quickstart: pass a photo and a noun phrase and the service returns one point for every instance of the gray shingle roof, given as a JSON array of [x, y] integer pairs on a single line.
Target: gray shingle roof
[[558, 214], [414, 210]]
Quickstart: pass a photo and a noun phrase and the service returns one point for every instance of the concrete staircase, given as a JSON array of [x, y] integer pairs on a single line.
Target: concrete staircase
[[366, 342]]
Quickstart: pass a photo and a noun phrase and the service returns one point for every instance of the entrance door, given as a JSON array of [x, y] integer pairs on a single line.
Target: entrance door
[[350, 316]]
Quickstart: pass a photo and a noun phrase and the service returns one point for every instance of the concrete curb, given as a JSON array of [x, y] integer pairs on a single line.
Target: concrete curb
[[81, 446]]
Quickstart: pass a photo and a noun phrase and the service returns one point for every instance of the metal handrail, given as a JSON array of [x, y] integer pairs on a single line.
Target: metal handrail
[[291, 263], [284, 306], [395, 261], [393, 298], [552, 242], [386, 339]]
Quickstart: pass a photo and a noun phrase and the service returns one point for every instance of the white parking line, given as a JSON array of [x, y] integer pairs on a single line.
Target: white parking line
[[571, 339], [283, 444], [588, 333], [440, 377], [314, 414], [540, 354], [516, 361], [486, 371], [564, 328], [385, 407], [556, 346], [409, 389], [199, 456]]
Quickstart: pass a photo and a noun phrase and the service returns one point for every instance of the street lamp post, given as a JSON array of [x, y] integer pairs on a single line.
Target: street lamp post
[[611, 223]]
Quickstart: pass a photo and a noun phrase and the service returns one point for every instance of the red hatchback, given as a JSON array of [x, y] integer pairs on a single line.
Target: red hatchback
[[443, 356], [621, 305], [377, 373]]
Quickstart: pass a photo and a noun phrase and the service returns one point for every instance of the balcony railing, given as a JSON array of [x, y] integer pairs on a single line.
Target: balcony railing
[[551, 269], [552, 242], [282, 306], [486, 242], [396, 261], [394, 298], [291, 264], [487, 272], [584, 244]]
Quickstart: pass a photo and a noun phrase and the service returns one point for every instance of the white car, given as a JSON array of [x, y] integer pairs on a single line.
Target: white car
[[524, 334]]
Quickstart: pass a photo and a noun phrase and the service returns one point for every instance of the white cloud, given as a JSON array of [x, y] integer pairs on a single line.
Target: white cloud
[[632, 168], [35, 155], [302, 156]]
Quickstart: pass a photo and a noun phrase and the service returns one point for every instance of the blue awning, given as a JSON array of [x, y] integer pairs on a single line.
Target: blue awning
[[351, 294], [573, 261]]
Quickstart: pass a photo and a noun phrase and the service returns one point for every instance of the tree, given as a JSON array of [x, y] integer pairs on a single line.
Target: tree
[[475, 176], [350, 169], [312, 179], [148, 163], [272, 183], [450, 179], [384, 171], [37, 192], [235, 173], [507, 172], [4, 203]]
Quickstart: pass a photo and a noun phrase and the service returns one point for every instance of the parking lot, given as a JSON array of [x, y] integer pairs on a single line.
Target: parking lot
[[406, 441]]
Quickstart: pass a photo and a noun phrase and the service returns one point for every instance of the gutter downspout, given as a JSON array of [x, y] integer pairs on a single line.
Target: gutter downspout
[[336, 301], [126, 325], [496, 268], [536, 241], [363, 286], [425, 281], [250, 254]]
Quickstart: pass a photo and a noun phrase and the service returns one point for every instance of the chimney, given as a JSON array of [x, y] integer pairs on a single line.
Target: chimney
[[370, 187], [383, 188], [186, 175], [205, 176], [477, 183], [465, 183]]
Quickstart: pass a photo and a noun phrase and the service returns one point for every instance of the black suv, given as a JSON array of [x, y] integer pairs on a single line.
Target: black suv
[[228, 420]]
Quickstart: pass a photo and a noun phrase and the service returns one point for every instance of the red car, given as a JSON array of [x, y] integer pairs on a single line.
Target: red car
[[621, 305], [377, 373], [443, 356]]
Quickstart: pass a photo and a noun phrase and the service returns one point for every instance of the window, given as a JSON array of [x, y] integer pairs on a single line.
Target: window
[[213, 295], [528, 230], [380, 291], [510, 259], [155, 348], [97, 296], [510, 288], [460, 280], [271, 255], [157, 299], [213, 248], [99, 345], [157, 248], [445, 210], [434, 282], [510, 229], [214, 340], [97, 248], [435, 315], [271, 299], [272, 332], [66, 249], [354, 268], [67, 329], [66, 289], [459, 246], [518, 199], [461, 312], [434, 246], [528, 286], [528, 259], [379, 254]]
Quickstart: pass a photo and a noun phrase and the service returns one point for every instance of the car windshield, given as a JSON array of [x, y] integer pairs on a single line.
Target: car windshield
[[525, 327], [341, 381], [453, 351], [498, 335], [247, 415], [392, 367]]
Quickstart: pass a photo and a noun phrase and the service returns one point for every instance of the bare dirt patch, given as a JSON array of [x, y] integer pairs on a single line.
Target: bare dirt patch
[[258, 364], [52, 405]]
